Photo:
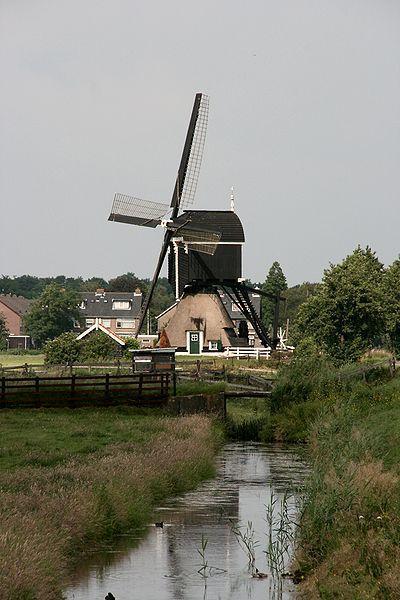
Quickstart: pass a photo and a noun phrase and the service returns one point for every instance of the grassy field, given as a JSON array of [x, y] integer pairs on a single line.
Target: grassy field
[[15, 360], [70, 479]]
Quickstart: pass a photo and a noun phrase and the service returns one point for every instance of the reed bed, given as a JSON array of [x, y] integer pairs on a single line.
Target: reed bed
[[51, 516]]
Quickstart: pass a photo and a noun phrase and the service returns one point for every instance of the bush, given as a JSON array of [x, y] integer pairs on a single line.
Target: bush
[[130, 344], [98, 345], [64, 349], [308, 372]]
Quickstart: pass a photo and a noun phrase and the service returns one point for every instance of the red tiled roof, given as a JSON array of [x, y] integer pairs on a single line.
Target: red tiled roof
[[18, 304]]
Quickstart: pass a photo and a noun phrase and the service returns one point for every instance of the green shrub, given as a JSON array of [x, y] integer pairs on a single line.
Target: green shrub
[[98, 345], [64, 349], [130, 344]]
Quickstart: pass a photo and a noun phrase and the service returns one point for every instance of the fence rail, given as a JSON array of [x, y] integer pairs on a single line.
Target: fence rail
[[80, 390], [249, 352]]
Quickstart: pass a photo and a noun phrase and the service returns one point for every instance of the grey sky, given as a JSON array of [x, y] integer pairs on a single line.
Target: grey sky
[[304, 121]]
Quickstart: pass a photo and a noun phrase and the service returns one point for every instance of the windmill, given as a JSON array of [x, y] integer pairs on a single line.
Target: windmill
[[204, 246]]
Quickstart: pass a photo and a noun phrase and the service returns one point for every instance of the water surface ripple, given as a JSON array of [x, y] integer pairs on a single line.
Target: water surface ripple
[[164, 563]]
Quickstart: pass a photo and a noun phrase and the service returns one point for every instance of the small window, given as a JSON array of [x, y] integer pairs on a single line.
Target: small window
[[121, 305], [251, 340], [82, 305], [106, 322], [89, 322], [125, 323], [213, 345], [235, 308]]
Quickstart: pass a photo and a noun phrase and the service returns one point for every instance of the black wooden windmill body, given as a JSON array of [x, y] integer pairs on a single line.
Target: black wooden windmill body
[[204, 247]]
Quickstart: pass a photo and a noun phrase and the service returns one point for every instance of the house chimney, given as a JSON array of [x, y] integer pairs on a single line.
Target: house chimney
[[100, 291]]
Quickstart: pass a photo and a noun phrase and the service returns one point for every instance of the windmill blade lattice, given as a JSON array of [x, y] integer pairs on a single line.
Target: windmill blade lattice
[[196, 154], [136, 211]]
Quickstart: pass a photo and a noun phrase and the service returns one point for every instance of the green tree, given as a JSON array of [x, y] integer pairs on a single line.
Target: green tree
[[125, 283], [275, 283], [53, 313], [391, 288], [3, 333], [94, 283], [346, 315], [295, 296]]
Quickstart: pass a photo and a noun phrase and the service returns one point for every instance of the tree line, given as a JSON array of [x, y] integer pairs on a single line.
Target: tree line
[[355, 307]]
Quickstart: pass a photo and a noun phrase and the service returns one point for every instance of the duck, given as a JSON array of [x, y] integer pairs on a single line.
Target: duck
[[258, 575]]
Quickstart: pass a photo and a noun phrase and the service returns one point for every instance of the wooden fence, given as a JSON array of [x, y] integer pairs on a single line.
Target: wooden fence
[[144, 389], [248, 352]]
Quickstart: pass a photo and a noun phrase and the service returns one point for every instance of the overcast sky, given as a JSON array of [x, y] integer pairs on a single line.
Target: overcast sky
[[304, 122]]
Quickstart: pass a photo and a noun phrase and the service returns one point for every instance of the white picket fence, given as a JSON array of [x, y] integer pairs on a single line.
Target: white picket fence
[[248, 352]]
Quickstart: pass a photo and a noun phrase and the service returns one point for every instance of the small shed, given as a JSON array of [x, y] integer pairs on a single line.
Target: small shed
[[153, 360]]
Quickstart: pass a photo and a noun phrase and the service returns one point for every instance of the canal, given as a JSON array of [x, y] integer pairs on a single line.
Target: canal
[[255, 484]]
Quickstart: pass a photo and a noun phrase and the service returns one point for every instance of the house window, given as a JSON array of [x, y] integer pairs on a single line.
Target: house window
[[121, 305], [125, 323], [251, 340], [106, 322], [213, 345], [89, 322], [82, 305], [77, 325], [235, 308]]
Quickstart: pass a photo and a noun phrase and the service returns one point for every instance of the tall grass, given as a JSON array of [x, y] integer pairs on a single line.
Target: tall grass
[[350, 527], [52, 515]]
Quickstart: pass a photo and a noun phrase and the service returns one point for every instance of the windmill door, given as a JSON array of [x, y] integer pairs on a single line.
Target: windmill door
[[194, 342]]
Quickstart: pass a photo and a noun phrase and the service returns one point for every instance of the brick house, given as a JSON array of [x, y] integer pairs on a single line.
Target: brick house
[[117, 311], [13, 308]]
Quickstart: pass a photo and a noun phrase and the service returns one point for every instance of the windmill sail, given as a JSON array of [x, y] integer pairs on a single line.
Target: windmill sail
[[196, 154], [189, 168], [135, 211]]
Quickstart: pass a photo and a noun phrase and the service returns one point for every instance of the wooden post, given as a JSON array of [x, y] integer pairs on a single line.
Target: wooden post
[[3, 391], [167, 385], [37, 400], [72, 403], [174, 383], [198, 367], [107, 387], [224, 405], [140, 390]]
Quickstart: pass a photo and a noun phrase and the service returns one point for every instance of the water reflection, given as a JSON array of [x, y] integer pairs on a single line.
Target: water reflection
[[164, 564]]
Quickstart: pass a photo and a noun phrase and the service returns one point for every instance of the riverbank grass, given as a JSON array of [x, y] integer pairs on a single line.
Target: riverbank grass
[[350, 531], [71, 479]]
